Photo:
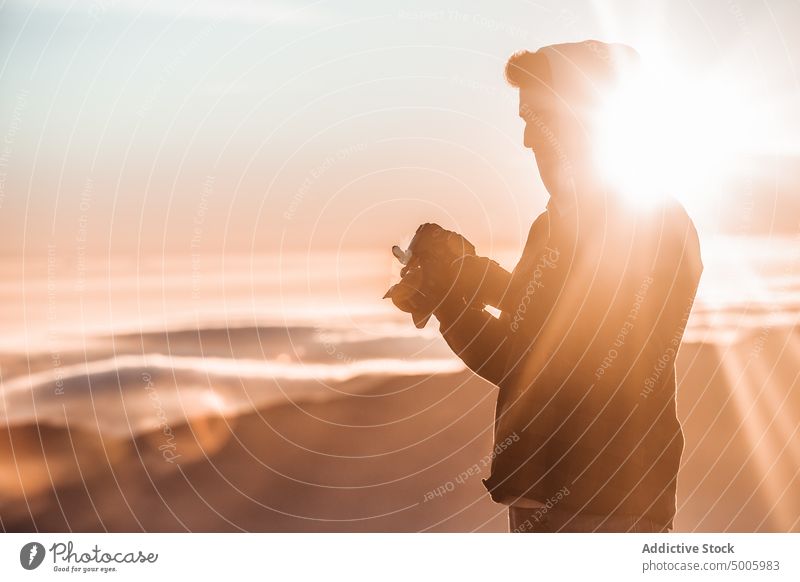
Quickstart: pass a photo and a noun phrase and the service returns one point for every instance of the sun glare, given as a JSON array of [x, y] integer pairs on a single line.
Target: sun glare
[[665, 134]]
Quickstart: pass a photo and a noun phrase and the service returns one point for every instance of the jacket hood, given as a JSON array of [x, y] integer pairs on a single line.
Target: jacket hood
[[582, 74]]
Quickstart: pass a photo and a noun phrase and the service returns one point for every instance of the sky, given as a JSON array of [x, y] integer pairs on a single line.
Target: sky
[[245, 127]]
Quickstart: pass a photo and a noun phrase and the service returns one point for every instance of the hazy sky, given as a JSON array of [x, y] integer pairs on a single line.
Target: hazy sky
[[237, 125]]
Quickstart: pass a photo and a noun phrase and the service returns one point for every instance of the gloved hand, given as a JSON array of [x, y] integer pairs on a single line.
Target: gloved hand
[[429, 279]]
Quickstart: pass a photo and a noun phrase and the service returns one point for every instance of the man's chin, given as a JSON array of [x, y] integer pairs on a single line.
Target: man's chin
[[544, 158]]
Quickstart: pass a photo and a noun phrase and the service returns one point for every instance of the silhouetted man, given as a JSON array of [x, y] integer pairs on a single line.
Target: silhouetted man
[[586, 431]]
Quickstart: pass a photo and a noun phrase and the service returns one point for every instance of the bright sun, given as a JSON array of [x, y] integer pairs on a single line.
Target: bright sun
[[668, 135]]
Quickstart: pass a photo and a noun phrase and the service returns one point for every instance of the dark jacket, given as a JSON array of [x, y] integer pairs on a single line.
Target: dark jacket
[[584, 355]]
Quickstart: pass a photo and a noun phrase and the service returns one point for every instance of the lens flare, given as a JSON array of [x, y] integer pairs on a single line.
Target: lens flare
[[659, 135]]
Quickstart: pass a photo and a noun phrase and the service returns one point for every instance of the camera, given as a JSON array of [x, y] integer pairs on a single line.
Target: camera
[[430, 270]]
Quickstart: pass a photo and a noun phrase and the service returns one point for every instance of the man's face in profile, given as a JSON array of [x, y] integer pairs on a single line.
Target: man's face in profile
[[537, 109]]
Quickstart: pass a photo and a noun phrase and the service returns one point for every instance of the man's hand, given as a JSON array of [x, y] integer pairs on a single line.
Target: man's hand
[[428, 281]]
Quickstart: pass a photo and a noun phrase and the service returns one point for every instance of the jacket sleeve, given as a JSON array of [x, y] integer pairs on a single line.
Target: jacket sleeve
[[483, 280], [478, 338], [482, 341]]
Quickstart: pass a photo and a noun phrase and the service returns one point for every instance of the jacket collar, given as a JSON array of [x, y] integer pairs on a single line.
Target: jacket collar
[[559, 206]]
